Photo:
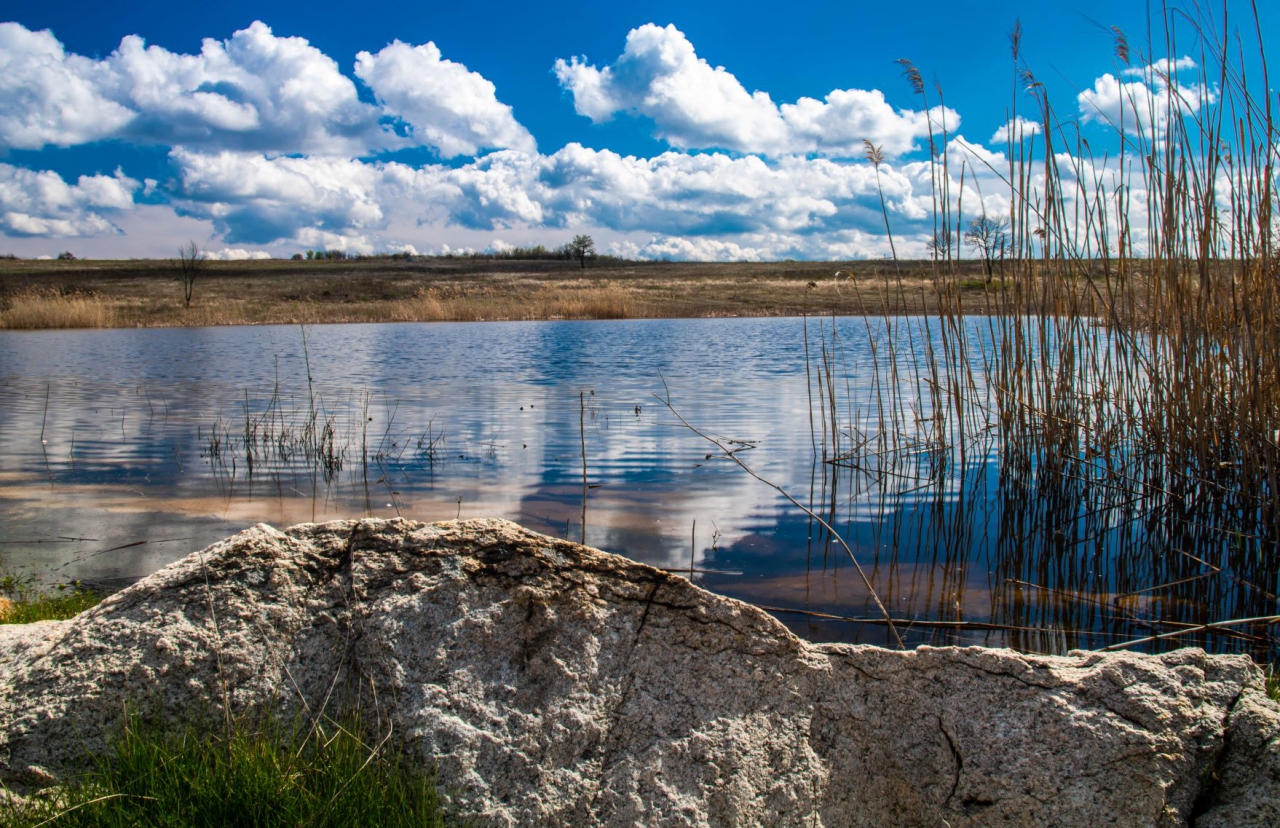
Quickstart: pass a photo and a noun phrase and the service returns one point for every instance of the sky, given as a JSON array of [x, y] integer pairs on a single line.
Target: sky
[[689, 130]]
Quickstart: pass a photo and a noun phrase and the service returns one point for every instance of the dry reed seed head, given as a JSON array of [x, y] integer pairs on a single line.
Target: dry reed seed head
[[912, 74], [1122, 45], [1015, 38], [874, 154]]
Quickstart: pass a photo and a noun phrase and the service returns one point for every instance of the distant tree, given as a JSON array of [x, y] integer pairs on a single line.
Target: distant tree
[[989, 238], [311, 254], [939, 246], [297, 257], [67, 256], [188, 266], [581, 247]]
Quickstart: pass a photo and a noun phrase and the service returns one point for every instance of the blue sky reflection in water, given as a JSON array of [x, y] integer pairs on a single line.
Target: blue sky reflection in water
[[145, 436]]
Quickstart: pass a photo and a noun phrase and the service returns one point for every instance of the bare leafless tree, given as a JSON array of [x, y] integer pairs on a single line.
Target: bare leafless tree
[[939, 245], [989, 238], [189, 264]]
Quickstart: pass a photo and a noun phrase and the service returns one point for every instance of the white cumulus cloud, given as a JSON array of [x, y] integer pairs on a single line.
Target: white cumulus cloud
[[1148, 103], [695, 105], [444, 104], [704, 194], [681, 249], [254, 91], [42, 203], [237, 254], [253, 199], [1019, 129], [50, 97]]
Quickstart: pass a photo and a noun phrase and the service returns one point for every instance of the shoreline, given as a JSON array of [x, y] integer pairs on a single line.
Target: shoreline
[[45, 294], [471, 640]]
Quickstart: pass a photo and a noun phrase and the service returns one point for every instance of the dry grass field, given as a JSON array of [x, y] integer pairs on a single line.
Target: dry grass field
[[147, 293]]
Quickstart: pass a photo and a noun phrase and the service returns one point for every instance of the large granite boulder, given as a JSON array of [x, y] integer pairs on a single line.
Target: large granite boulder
[[554, 684]]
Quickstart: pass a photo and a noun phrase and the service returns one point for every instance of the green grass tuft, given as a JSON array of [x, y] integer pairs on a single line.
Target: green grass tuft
[[261, 774], [21, 602]]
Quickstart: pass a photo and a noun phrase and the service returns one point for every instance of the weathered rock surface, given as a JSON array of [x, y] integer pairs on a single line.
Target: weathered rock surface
[[558, 685]]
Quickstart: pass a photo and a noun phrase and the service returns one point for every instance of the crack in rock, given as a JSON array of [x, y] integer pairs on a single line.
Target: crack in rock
[[550, 683]]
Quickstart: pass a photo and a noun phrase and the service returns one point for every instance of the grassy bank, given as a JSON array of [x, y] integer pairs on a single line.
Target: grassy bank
[[253, 773], [146, 293], [22, 602]]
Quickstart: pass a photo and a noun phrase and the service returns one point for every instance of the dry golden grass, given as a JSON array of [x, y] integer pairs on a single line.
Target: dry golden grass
[[144, 294], [44, 309], [427, 305], [543, 302]]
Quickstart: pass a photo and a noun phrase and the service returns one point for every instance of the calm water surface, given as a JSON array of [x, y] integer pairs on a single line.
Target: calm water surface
[[122, 450]]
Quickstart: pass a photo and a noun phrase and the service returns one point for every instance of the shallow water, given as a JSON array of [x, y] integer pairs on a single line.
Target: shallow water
[[122, 450]]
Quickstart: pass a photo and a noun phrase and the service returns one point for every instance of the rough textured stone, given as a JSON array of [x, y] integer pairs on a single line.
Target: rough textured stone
[[555, 684]]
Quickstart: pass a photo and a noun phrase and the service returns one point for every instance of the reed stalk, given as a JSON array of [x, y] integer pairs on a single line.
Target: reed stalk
[[1126, 380]]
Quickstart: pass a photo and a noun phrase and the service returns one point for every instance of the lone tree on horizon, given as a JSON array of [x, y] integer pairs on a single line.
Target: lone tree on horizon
[[190, 262], [989, 238], [581, 247]]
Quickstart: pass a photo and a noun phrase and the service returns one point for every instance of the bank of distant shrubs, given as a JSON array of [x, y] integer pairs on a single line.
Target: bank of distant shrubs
[[581, 249], [342, 256]]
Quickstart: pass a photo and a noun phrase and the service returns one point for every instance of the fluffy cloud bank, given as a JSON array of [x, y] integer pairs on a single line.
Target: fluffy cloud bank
[[43, 204], [444, 105], [1019, 129], [271, 145], [697, 106], [253, 92], [1145, 99], [255, 200], [237, 254]]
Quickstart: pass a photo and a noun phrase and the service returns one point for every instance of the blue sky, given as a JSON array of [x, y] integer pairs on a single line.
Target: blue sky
[[685, 130]]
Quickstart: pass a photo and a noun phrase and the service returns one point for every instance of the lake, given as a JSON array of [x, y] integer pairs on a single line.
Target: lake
[[123, 450]]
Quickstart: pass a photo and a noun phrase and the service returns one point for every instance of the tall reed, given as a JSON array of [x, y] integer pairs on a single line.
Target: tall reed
[[1128, 378], [36, 309]]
